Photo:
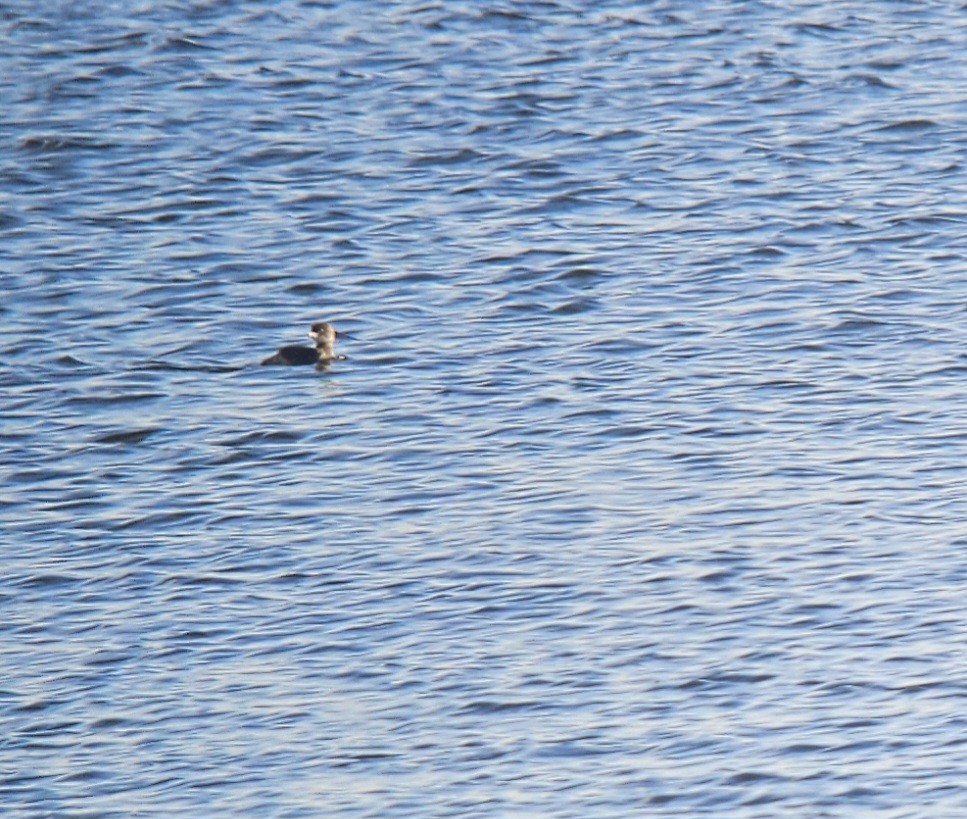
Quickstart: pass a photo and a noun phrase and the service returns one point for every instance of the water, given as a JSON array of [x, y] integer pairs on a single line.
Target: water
[[642, 490]]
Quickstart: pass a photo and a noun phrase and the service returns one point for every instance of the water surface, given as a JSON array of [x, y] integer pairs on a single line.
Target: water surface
[[642, 490]]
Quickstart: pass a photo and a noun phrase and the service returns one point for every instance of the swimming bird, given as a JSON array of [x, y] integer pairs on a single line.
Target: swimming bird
[[322, 355]]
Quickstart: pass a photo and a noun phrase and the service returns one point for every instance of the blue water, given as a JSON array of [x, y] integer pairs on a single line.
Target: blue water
[[642, 490]]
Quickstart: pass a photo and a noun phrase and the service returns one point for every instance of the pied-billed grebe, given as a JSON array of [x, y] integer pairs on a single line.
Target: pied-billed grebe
[[324, 334]]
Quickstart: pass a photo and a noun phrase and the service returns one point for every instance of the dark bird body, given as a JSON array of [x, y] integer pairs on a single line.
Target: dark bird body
[[294, 355]]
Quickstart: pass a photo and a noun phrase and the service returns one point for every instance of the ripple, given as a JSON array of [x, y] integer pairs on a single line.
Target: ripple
[[642, 482]]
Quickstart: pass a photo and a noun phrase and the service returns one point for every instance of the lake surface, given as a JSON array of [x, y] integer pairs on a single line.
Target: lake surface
[[642, 491]]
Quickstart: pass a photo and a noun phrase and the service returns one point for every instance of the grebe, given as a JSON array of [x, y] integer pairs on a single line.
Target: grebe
[[324, 334]]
